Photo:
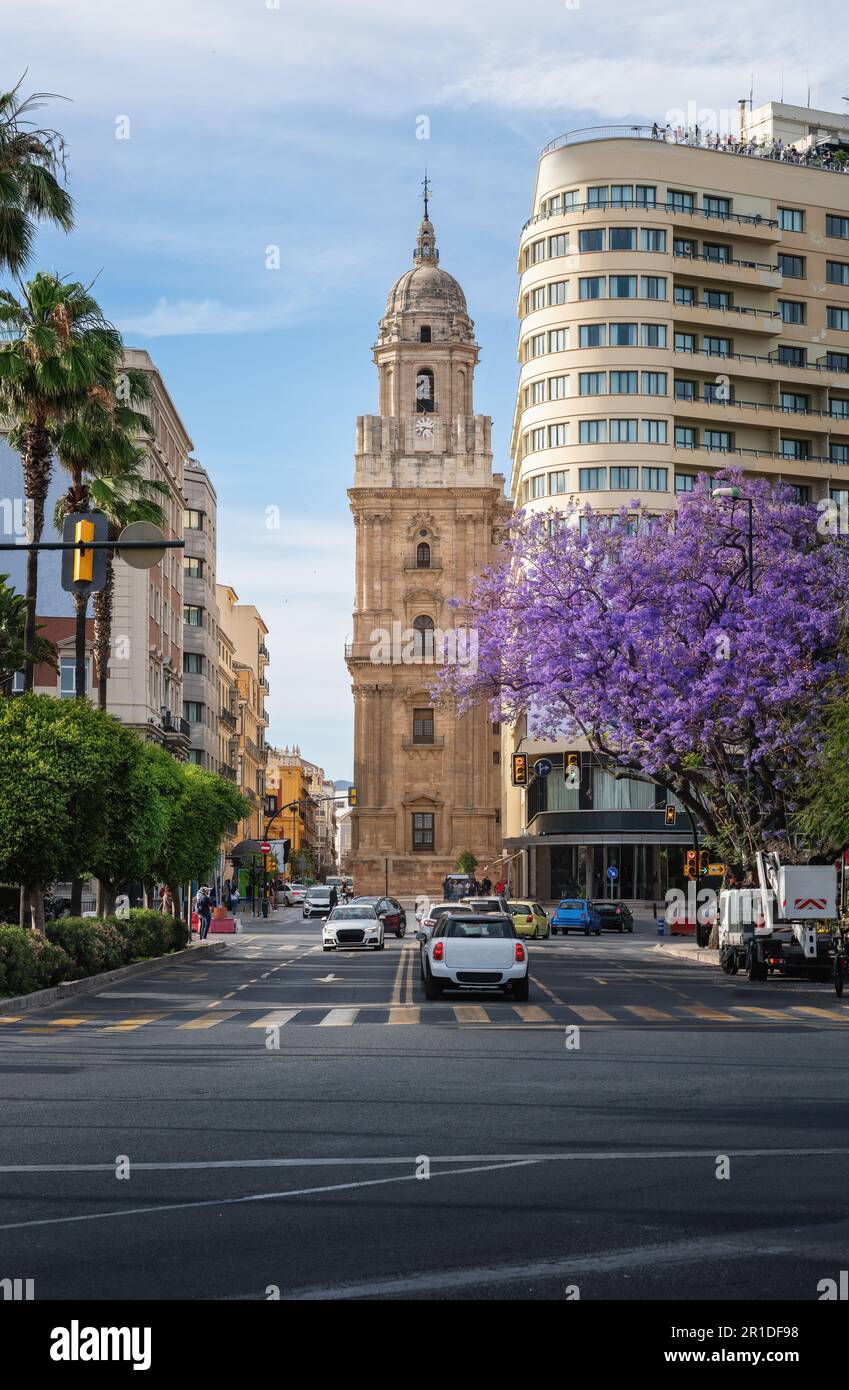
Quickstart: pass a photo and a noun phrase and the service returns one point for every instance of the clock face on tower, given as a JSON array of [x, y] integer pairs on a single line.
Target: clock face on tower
[[424, 428]]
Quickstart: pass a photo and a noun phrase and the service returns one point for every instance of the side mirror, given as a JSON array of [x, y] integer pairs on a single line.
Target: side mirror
[[421, 936]]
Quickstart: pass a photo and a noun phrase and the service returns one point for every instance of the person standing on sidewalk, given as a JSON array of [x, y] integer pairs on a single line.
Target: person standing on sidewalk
[[203, 907]]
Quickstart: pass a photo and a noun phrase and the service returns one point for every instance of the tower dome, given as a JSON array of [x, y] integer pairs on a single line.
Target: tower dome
[[426, 290]]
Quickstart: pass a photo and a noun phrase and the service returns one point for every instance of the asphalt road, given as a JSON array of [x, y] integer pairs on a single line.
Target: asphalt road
[[276, 1111]]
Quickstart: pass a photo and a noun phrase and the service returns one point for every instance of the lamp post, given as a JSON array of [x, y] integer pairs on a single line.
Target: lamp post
[[737, 496]]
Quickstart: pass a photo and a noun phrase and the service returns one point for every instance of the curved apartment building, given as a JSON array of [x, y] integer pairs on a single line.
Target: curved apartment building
[[681, 309]]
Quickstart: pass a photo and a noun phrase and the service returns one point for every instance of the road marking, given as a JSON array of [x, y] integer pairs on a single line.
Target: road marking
[[650, 1015], [68, 1022], [762, 1013], [405, 1013], [339, 1018], [709, 1015], [207, 1021], [408, 989], [11, 1018], [398, 980], [275, 1019], [129, 1025], [555, 999], [532, 1013], [591, 1014], [470, 1013], [842, 1015], [597, 980]]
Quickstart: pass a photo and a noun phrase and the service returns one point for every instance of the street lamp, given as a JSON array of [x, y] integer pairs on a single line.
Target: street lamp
[[737, 496]]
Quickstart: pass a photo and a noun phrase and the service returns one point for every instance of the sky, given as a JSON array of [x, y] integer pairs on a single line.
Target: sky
[[298, 125]]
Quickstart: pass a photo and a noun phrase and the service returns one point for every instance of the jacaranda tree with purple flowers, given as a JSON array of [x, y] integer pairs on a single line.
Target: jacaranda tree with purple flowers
[[639, 633]]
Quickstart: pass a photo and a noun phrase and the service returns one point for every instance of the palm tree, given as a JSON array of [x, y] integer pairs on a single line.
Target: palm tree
[[59, 352], [12, 619], [31, 160]]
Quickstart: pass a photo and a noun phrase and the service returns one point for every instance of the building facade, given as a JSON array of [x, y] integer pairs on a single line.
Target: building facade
[[427, 510], [246, 631], [200, 618], [291, 810], [682, 309]]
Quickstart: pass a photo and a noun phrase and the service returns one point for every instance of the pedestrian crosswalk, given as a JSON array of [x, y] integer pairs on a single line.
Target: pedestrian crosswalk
[[494, 1012]]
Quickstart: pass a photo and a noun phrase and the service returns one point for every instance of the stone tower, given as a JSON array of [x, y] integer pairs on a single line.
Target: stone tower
[[428, 513]]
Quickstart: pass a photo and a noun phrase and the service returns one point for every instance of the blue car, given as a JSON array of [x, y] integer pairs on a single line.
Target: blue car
[[575, 914]]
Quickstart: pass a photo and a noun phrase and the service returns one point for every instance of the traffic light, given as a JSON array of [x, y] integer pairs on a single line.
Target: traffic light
[[83, 559], [520, 769], [352, 796], [704, 859], [691, 864], [572, 769], [287, 845], [671, 815]]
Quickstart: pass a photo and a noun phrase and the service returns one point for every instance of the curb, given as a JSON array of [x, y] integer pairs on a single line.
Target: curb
[[703, 956], [91, 983]]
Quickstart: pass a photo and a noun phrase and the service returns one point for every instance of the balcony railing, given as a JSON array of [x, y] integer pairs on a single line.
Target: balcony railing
[[772, 358], [730, 260], [263, 651], [175, 724], [653, 132], [736, 404], [751, 219], [726, 309], [754, 453], [225, 770], [227, 717]]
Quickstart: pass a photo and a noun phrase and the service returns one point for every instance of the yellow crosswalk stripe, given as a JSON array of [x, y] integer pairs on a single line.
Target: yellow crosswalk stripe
[[129, 1025], [405, 1013], [590, 1014], [275, 1019], [339, 1018], [710, 1015], [470, 1013], [841, 1014], [761, 1013], [209, 1020], [532, 1013], [11, 1018], [650, 1015], [67, 1022]]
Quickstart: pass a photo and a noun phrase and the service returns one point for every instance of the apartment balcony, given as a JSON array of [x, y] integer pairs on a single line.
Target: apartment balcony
[[225, 770], [766, 366], [176, 731], [734, 271], [263, 680], [737, 413], [437, 742], [227, 717], [264, 652], [765, 460], [735, 318]]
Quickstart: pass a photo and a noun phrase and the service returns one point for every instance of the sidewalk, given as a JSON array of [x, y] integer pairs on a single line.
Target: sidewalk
[[685, 950]]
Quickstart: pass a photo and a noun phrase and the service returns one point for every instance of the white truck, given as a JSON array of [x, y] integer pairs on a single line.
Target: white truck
[[788, 924]]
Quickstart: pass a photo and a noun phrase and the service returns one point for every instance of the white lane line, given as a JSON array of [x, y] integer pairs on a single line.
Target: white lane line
[[275, 1019], [339, 1018]]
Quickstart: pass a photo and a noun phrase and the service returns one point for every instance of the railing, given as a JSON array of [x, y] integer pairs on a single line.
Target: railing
[[734, 404], [263, 651], [227, 717], [175, 724], [225, 770], [729, 260], [753, 219], [754, 453], [263, 680], [821, 365], [726, 308], [657, 134]]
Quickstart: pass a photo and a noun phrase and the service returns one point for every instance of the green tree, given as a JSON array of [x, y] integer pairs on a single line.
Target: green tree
[[823, 816], [143, 793], [57, 761], [32, 163], [466, 862], [58, 353], [197, 822], [12, 648]]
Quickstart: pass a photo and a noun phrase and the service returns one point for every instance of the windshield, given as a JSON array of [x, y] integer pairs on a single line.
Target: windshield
[[355, 914], [573, 905], [498, 927]]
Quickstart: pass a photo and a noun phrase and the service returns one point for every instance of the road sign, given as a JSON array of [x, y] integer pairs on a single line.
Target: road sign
[[265, 847], [542, 767], [146, 556], [84, 571], [715, 870], [613, 872]]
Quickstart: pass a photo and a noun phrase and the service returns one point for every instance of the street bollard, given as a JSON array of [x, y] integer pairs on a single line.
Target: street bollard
[[660, 926], [265, 907]]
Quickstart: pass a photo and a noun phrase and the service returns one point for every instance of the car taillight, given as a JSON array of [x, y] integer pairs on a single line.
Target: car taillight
[[429, 922], [438, 950], [520, 951]]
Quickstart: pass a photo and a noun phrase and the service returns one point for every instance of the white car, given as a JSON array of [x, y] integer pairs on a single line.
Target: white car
[[352, 925], [434, 911], [491, 904], [293, 893], [474, 951]]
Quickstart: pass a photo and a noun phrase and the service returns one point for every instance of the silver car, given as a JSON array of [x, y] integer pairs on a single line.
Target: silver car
[[478, 952], [351, 926]]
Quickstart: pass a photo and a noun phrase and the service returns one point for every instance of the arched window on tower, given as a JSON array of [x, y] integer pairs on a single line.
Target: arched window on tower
[[423, 628], [425, 392], [423, 556], [424, 333]]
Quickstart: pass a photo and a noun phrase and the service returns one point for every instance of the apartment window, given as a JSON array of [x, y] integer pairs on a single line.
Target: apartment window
[[558, 388], [837, 318], [424, 334], [536, 299], [685, 390], [716, 251], [839, 406], [193, 519], [623, 286], [623, 383], [654, 383], [621, 195], [837, 361], [67, 673], [598, 197], [716, 207], [794, 400], [557, 482], [791, 266], [537, 252], [571, 200], [17, 682], [716, 347], [801, 492], [683, 246], [592, 479], [592, 432], [646, 195], [423, 556], [422, 726], [557, 435], [623, 431], [839, 454], [717, 299], [195, 756], [537, 439], [791, 219], [623, 335], [592, 383], [535, 393], [681, 202], [653, 287], [193, 711], [591, 287], [592, 240], [685, 342], [423, 839], [623, 238], [192, 567], [557, 291], [685, 482], [624, 479], [654, 432], [652, 239], [193, 616], [685, 294], [792, 356], [654, 480], [558, 340], [559, 245], [685, 437], [592, 335], [537, 485], [795, 449], [712, 393], [537, 345], [653, 335], [717, 441], [791, 310], [193, 663], [837, 226]]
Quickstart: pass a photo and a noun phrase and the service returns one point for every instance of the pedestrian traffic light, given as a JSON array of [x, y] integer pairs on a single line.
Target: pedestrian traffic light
[[352, 796], [691, 862], [671, 815], [520, 769], [572, 769]]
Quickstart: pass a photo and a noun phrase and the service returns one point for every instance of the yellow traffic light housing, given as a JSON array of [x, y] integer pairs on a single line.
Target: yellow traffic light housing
[[520, 769], [691, 864], [671, 815], [352, 796], [83, 559]]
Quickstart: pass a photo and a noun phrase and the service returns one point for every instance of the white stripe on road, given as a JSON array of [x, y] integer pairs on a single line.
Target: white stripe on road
[[339, 1018], [275, 1019]]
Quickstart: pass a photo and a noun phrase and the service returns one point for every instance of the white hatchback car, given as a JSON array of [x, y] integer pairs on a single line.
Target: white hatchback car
[[474, 951], [352, 925]]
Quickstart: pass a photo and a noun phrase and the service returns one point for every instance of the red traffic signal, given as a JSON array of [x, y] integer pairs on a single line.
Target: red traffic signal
[[519, 768]]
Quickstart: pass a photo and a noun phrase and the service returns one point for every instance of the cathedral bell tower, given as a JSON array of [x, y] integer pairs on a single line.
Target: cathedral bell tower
[[428, 513]]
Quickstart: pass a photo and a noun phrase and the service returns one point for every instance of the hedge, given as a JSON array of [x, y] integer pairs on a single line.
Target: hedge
[[77, 947]]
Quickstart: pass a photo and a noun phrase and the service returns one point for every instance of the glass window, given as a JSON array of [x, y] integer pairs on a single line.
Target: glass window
[[623, 335], [791, 219], [623, 238], [717, 347], [681, 202], [646, 195], [557, 291], [795, 449], [537, 485], [623, 431], [623, 383], [685, 294], [557, 482], [537, 345], [621, 195], [598, 197], [193, 616], [836, 226], [425, 392], [653, 335], [717, 440], [423, 834], [571, 200], [654, 480], [685, 390], [685, 342], [192, 567], [791, 310], [716, 251], [559, 245], [592, 479], [839, 406], [535, 393], [67, 672], [558, 340], [837, 361], [592, 432], [652, 239], [623, 286], [558, 387], [801, 492], [193, 711], [557, 435], [423, 556], [621, 793], [791, 266], [193, 519], [624, 479], [592, 335], [654, 383], [716, 207], [794, 400], [537, 252], [654, 431], [535, 300], [653, 287], [592, 240], [684, 482], [712, 392], [792, 356], [717, 299], [837, 318], [839, 454], [538, 439], [592, 383], [686, 437], [682, 246], [591, 287], [193, 663], [422, 726]]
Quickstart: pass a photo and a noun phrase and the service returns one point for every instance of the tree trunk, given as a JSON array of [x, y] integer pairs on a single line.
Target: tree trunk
[[36, 458], [23, 910], [80, 663], [36, 898], [103, 629], [76, 897]]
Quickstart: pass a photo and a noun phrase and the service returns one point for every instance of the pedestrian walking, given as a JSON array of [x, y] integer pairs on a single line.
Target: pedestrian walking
[[203, 908], [234, 899]]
